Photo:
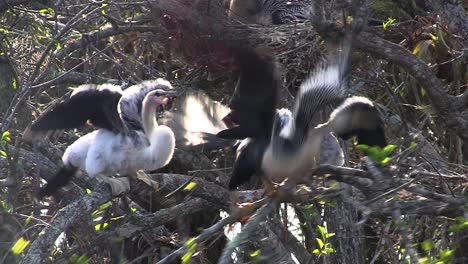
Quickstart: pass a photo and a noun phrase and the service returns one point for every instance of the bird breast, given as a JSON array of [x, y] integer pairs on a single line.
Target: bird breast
[[112, 153], [279, 166]]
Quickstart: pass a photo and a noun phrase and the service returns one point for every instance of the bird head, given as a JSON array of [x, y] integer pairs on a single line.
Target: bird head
[[162, 98]]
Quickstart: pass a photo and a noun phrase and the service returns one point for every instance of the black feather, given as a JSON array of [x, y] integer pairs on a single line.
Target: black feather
[[97, 106], [255, 97], [247, 163], [61, 178]]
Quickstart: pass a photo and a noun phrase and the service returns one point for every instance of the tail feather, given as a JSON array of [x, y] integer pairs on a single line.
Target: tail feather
[[248, 161], [357, 116], [63, 176]]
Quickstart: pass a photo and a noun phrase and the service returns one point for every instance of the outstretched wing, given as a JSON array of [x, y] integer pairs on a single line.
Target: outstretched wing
[[253, 104], [96, 103]]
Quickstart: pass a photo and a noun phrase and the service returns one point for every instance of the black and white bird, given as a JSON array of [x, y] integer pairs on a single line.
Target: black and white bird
[[294, 146], [128, 137]]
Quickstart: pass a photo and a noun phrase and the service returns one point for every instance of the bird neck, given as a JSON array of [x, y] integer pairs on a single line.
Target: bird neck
[[148, 117]]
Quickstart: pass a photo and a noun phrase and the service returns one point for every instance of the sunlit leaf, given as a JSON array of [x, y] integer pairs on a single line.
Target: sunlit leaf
[[387, 150], [103, 11], [99, 226], [426, 245], [191, 246], [385, 160], [316, 251], [322, 231], [4, 31], [27, 220], [320, 243], [13, 84], [47, 11], [190, 186], [88, 191], [445, 254], [330, 250], [19, 246], [255, 254], [328, 235], [413, 145], [3, 153], [387, 23]]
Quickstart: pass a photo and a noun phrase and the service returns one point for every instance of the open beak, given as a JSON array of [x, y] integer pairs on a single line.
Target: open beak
[[167, 101], [170, 97]]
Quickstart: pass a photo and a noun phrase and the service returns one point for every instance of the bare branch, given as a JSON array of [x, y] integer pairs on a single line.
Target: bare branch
[[42, 246]]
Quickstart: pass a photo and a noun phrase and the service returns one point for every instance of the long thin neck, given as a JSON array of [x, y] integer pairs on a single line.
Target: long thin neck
[[148, 116]]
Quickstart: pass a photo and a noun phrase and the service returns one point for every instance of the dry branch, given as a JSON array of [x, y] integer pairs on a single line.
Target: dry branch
[[42, 246]]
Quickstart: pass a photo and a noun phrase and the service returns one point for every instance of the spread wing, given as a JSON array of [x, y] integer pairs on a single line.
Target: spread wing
[[94, 103], [253, 104]]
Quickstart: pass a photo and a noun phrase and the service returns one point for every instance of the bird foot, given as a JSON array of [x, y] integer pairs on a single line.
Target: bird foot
[[244, 210], [142, 176], [271, 187], [118, 185]]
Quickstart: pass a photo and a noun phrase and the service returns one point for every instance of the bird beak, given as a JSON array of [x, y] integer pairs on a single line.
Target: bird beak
[[171, 94]]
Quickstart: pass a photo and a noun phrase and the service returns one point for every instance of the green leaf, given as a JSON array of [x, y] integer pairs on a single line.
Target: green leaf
[[387, 23], [4, 31], [88, 191], [104, 205], [133, 209], [363, 147], [191, 246], [316, 251], [328, 235], [385, 160], [413, 145], [103, 11], [426, 245], [462, 223], [83, 259], [13, 84], [58, 47], [7, 207], [190, 186], [320, 243], [19, 246], [330, 250], [99, 226], [255, 254], [3, 153], [387, 150], [446, 254], [47, 11], [28, 220], [423, 92], [6, 136], [322, 231]]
